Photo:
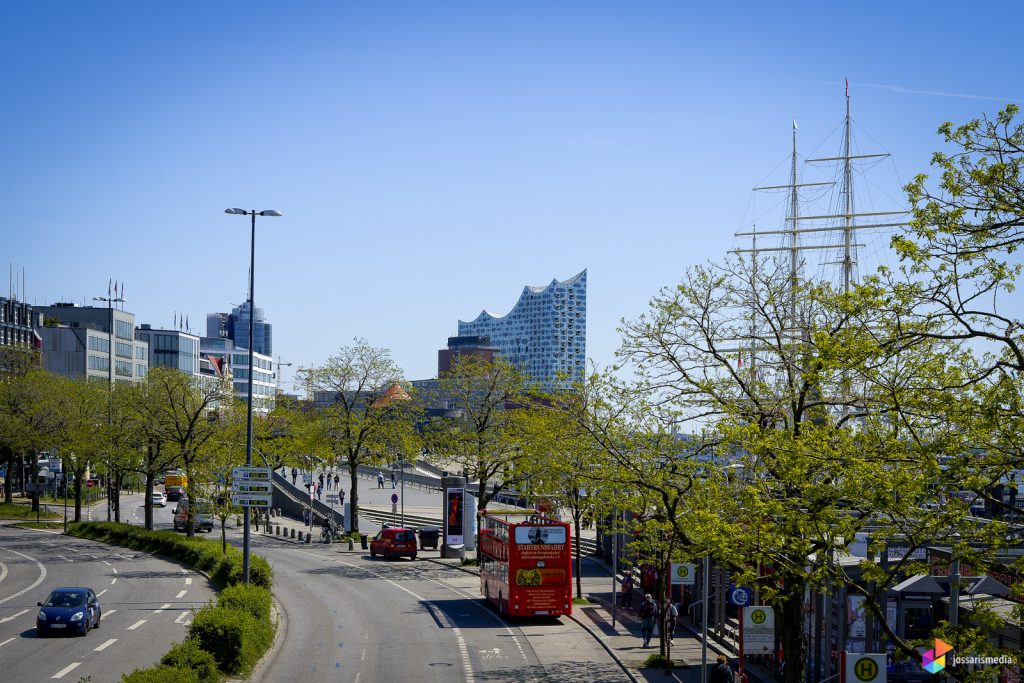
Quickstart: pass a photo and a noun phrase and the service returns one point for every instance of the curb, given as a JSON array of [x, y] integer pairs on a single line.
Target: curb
[[622, 665]]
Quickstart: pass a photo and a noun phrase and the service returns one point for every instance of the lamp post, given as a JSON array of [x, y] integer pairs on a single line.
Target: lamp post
[[248, 412], [110, 301]]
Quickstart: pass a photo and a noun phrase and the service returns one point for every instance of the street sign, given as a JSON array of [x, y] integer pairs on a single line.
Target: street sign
[[258, 500], [394, 498], [864, 668], [684, 573], [251, 486], [757, 630], [740, 595], [251, 473], [332, 497]]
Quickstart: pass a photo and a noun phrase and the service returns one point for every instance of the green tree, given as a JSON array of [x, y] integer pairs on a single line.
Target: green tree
[[365, 404]]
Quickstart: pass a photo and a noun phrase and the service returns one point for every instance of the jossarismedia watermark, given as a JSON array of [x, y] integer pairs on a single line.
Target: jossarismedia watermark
[[936, 659]]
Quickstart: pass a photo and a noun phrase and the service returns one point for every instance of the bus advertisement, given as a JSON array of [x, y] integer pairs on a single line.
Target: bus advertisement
[[526, 564]]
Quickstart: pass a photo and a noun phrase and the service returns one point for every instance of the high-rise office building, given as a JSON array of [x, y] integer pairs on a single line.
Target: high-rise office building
[[545, 333], [235, 326]]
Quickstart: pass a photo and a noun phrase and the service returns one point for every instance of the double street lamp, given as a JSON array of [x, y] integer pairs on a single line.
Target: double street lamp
[[248, 415]]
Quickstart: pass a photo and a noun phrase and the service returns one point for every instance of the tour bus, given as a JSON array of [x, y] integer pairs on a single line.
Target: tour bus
[[526, 563]]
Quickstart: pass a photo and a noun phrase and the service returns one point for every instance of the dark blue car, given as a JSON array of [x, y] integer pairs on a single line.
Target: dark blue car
[[69, 610]]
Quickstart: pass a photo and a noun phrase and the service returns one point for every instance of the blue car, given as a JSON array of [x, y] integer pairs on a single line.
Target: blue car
[[69, 610]]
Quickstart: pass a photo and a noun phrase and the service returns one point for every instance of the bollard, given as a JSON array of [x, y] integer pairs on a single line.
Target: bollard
[[277, 530], [309, 537], [300, 537], [351, 545], [293, 533]]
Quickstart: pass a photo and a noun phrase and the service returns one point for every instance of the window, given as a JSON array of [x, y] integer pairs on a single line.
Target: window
[[123, 349], [99, 344], [99, 363], [123, 368], [123, 329]]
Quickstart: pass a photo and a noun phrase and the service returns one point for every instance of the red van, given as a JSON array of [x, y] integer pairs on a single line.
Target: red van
[[394, 542]]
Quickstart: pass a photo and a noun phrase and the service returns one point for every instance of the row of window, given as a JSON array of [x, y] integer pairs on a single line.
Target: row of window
[[123, 329], [99, 344], [123, 349]]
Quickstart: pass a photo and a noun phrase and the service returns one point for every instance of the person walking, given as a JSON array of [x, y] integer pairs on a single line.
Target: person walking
[[627, 589], [671, 613], [380, 479], [392, 479], [319, 489], [295, 474], [648, 614], [337, 485], [721, 673]]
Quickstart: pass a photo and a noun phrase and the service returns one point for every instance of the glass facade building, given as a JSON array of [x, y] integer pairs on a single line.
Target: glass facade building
[[545, 333], [94, 342], [235, 326]]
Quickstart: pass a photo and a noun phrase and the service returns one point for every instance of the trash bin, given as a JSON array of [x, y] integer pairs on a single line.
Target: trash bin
[[362, 541], [428, 537]]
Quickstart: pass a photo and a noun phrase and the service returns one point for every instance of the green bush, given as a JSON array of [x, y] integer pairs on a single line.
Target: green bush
[[234, 637], [248, 598], [190, 655], [202, 553], [161, 674]]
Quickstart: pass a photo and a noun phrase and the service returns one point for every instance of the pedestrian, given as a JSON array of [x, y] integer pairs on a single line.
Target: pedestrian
[[627, 589], [392, 479], [380, 480], [648, 614], [671, 616], [721, 673], [295, 474], [337, 484], [319, 490], [321, 480]]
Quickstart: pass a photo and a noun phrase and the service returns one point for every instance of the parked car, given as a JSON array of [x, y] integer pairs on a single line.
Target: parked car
[[69, 610], [174, 493], [394, 542], [158, 499]]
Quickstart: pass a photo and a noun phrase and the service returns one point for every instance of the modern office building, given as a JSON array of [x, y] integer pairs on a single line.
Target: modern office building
[[171, 348], [235, 326], [545, 333], [228, 357], [77, 341], [18, 321]]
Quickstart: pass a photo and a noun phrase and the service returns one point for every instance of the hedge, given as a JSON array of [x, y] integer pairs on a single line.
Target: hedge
[[190, 655], [235, 638], [247, 598], [202, 553], [161, 674]]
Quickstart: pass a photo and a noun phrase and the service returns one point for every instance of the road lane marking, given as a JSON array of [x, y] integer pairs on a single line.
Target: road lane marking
[[107, 563], [358, 674], [13, 616], [6, 641], [115, 568], [137, 624], [102, 592], [3, 571], [188, 581], [105, 645], [113, 581], [68, 669], [362, 657], [42, 575], [109, 612], [179, 595], [165, 606], [180, 617]]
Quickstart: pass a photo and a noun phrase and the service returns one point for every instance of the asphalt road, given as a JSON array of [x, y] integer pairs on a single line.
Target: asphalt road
[[352, 618], [146, 602]]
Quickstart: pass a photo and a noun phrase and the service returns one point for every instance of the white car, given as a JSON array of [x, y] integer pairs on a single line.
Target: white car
[[158, 499]]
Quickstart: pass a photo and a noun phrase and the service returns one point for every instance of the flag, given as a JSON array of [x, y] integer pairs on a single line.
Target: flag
[[108, 287], [175, 320], [847, 86], [794, 123], [186, 323]]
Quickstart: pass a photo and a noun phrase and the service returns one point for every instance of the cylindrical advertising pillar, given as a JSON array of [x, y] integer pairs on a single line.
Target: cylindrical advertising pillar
[[469, 522], [453, 490]]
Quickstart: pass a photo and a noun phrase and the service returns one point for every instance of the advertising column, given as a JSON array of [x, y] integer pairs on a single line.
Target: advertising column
[[453, 490]]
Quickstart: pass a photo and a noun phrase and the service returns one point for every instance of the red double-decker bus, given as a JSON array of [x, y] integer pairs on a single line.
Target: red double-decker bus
[[526, 563]]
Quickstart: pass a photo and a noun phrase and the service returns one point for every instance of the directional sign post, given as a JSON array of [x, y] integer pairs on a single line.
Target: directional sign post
[[252, 486], [256, 500]]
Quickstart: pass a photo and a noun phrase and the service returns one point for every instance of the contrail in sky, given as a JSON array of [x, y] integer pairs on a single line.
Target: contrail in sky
[[936, 93]]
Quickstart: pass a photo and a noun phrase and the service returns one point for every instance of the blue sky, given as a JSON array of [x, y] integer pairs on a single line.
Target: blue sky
[[431, 158]]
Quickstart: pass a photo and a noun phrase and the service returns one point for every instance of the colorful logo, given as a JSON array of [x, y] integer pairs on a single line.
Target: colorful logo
[[934, 661]]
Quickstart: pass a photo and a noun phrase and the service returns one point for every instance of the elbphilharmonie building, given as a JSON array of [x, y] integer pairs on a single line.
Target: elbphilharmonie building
[[545, 333]]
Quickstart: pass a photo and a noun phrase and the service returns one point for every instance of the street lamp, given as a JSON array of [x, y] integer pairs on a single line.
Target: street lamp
[[110, 301], [248, 412]]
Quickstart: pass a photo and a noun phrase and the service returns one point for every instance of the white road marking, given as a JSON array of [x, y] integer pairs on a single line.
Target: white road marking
[[137, 624], [3, 571], [102, 592], [115, 568], [362, 657], [188, 581], [69, 668], [13, 616], [113, 581], [107, 563], [105, 645], [109, 612], [179, 595], [165, 606], [6, 641], [358, 674], [42, 576], [180, 617]]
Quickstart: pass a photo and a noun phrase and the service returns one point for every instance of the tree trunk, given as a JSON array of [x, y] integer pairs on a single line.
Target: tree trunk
[[791, 617], [116, 493], [149, 501], [9, 476], [35, 482], [353, 494], [79, 473]]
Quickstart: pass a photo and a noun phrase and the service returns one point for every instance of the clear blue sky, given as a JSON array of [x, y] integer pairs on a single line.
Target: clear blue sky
[[431, 158]]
